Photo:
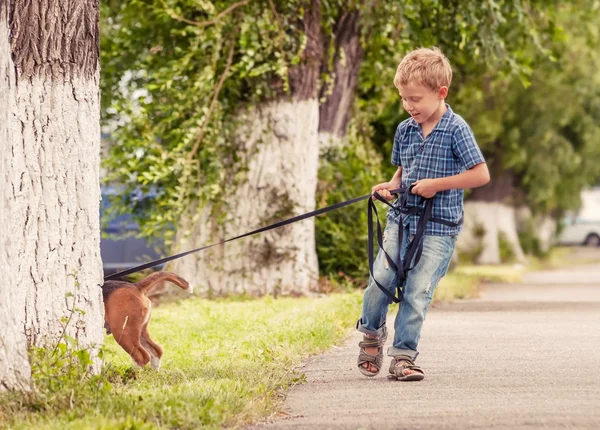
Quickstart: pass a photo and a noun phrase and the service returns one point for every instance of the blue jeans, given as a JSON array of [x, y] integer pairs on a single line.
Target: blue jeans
[[418, 288]]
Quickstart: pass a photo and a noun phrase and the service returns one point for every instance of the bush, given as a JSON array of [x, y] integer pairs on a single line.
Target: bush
[[529, 241], [507, 254], [341, 235], [64, 380]]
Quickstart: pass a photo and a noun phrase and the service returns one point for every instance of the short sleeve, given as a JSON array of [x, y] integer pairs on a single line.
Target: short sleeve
[[465, 147], [396, 159]]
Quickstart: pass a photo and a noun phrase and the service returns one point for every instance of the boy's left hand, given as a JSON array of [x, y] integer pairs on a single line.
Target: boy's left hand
[[425, 187]]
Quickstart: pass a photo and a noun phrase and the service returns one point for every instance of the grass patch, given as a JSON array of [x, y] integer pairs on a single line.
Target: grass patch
[[508, 273], [464, 281], [564, 256], [225, 364], [455, 286]]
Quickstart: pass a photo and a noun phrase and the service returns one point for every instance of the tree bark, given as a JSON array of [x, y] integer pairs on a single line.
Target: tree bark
[[52, 170], [14, 365], [281, 182], [337, 98]]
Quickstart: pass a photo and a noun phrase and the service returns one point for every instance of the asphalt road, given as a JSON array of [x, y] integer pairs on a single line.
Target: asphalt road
[[519, 357]]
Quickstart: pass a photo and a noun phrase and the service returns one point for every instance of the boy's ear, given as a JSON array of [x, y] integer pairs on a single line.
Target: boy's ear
[[443, 93]]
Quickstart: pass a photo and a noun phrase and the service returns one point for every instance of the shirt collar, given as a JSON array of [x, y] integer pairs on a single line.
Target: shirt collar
[[442, 123]]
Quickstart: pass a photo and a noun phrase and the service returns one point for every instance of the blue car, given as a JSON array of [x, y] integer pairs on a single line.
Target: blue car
[[120, 246]]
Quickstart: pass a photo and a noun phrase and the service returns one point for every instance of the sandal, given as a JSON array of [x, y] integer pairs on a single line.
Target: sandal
[[364, 357], [399, 364]]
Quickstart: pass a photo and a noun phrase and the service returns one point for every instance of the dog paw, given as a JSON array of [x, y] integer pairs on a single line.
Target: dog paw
[[136, 364], [190, 290], [155, 363]]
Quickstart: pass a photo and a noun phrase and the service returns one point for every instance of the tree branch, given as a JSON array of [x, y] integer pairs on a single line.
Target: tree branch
[[215, 97], [187, 167], [202, 24], [280, 41]]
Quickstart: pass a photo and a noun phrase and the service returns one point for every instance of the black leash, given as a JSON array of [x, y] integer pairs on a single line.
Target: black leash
[[401, 267], [260, 230]]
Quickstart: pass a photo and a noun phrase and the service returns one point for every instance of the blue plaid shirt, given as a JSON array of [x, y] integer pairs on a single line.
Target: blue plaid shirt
[[449, 150]]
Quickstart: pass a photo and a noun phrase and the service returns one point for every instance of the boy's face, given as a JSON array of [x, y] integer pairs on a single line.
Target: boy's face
[[421, 102]]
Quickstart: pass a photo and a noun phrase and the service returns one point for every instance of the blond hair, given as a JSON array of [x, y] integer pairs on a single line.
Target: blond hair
[[424, 66]]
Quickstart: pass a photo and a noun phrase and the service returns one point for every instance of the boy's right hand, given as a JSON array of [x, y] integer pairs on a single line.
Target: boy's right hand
[[383, 190]]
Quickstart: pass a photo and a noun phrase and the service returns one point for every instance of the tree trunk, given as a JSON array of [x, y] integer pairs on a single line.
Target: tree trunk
[[337, 99], [281, 182], [281, 142], [541, 226], [14, 365], [53, 187], [489, 219]]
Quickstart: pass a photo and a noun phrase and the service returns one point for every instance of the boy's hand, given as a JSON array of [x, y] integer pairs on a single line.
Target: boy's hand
[[383, 190], [425, 187]]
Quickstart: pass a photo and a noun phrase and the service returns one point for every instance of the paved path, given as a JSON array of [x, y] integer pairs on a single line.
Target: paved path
[[519, 357]]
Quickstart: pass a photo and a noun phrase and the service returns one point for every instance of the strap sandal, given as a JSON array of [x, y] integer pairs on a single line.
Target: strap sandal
[[375, 360], [401, 363]]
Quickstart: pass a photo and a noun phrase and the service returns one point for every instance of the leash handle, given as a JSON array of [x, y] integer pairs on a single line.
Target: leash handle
[[415, 248]]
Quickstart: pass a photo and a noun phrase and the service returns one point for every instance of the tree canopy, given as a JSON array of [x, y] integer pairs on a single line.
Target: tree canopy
[[173, 81]]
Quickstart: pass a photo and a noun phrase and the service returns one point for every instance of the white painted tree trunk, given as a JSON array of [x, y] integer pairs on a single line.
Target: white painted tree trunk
[[494, 218], [14, 365], [56, 202], [283, 149], [52, 171], [542, 226]]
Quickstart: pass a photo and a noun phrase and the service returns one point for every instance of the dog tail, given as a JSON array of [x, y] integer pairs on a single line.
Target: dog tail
[[145, 284]]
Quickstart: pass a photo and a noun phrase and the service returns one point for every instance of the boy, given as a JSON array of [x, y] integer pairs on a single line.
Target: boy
[[436, 153]]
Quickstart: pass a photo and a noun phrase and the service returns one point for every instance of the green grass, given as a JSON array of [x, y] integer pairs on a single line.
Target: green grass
[[226, 363], [464, 281], [560, 257]]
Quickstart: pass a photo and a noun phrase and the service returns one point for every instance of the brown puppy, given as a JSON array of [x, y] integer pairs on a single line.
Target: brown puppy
[[127, 313]]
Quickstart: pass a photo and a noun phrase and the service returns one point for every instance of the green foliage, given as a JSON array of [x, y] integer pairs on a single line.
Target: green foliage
[[341, 235], [174, 82], [170, 90], [477, 37], [531, 95], [472, 253], [507, 254], [63, 379], [530, 244], [544, 134], [529, 241]]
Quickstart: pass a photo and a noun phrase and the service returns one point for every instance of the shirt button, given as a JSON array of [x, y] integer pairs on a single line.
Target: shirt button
[[422, 148]]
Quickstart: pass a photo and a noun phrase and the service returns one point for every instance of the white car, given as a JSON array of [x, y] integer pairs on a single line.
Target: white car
[[583, 227], [580, 231]]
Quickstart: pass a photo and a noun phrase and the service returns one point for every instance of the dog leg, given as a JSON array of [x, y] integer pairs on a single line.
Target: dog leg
[[140, 356], [152, 347], [129, 339]]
